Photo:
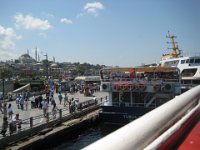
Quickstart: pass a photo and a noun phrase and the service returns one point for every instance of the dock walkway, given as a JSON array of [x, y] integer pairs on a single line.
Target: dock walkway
[[27, 114]]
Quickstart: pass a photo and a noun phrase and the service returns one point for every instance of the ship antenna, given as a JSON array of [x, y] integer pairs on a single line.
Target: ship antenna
[[176, 51]]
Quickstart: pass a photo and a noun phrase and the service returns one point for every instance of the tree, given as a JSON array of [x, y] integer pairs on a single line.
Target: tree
[[6, 73]]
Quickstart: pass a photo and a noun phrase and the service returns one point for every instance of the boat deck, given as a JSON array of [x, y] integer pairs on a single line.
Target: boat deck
[[192, 141]]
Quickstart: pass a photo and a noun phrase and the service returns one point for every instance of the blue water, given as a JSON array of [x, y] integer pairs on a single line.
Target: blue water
[[86, 137]]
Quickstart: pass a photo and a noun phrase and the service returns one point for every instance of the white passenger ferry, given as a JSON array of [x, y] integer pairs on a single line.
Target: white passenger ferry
[[189, 65], [136, 91]]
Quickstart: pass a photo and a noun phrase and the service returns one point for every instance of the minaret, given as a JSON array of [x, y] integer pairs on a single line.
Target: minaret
[[36, 54], [38, 58], [54, 59]]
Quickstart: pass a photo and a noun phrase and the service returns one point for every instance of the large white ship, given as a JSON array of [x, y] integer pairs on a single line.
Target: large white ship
[[189, 65], [135, 91]]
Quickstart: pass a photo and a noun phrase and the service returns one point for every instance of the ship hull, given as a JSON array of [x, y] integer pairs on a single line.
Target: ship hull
[[121, 115]]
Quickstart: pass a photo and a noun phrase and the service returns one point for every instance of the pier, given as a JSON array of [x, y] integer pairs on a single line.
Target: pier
[[36, 128]]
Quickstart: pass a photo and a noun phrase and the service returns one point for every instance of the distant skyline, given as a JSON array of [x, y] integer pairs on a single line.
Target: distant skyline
[[107, 32]]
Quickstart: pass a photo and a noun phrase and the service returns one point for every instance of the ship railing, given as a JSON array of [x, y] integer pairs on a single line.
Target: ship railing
[[127, 104], [149, 80], [150, 127], [191, 54]]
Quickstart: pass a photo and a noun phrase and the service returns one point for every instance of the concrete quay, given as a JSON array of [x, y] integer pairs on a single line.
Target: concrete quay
[[52, 136], [27, 114]]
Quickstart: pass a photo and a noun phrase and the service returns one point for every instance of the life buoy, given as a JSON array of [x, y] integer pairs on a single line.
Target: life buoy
[[157, 87], [116, 87], [142, 87], [123, 87], [131, 87], [104, 86]]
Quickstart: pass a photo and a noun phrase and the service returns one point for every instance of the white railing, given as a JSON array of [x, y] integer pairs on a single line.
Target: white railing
[[143, 131]]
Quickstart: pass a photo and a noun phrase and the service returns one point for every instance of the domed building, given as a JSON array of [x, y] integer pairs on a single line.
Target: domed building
[[26, 59]]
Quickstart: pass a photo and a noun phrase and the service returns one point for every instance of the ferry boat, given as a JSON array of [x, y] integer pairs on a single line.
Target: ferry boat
[[136, 91], [189, 65]]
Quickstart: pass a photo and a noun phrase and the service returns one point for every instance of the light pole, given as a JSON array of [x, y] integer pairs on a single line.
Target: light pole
[[3, 80], [47, 65]]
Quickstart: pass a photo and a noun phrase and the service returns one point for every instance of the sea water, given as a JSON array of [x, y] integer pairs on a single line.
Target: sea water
[[86, 137]]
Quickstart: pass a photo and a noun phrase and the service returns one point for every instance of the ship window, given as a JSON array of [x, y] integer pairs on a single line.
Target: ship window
[[182, 61], [197, 60], [191, 60], [187, 82], [176, 62], [187, 61], [188, 72], [115, 98], [172, 63], [196, 81]]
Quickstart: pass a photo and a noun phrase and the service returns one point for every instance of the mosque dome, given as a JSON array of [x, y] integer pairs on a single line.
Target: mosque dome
[[26, 58]]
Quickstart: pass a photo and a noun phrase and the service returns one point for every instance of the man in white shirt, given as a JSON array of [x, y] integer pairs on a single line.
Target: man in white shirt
[[44, 107]]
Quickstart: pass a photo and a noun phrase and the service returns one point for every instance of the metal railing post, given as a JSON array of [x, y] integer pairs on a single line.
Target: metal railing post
[[31, 122], [60, 114], [47, 116]]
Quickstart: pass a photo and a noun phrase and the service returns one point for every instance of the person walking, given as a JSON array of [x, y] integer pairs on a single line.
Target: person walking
[[70, 102], [21, 101], [18, 122], [1, 106], [65, 99], [33, 101], [54, 110], [4, 126], [5, 112], [26, 104], [52, 100], [60, 97], [10, 111], [44, 107], [40, 99]]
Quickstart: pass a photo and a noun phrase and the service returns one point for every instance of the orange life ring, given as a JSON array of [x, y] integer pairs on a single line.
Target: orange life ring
[[142, 87], [157, 87], [123, 87], [116, 87], [131, 87]]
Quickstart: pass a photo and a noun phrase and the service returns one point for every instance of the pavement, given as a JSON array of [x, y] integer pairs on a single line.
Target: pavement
[[26, 114]]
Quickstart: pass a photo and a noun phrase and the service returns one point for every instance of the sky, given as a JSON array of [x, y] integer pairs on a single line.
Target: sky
[[107, 32]]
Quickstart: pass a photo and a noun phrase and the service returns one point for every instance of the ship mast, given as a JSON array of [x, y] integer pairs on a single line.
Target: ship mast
[[176, 51]]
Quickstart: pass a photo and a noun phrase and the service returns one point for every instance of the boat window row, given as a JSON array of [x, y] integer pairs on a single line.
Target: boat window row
[[197, 82], [186, 61], [171, 63], [145, 75], [188, 72]]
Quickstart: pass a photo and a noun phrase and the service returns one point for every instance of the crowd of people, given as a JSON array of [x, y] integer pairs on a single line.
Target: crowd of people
[[45, 102], [10, 120]]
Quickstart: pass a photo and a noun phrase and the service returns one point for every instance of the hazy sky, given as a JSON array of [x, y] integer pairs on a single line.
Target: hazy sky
[[109, 32]]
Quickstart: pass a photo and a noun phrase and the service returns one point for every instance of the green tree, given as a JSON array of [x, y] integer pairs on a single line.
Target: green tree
[[6, 73]]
